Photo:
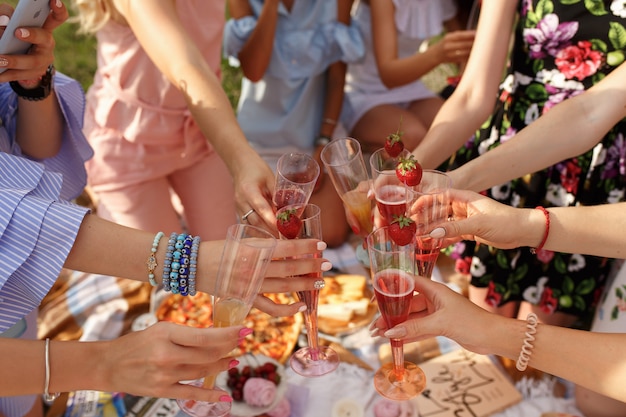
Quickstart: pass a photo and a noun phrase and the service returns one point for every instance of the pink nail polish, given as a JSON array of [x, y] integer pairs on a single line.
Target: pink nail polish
[[226, 399], [233, 363], [245, 332]]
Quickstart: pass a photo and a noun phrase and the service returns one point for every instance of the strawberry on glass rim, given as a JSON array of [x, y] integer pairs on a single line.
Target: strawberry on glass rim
[[394, 144], [409, 171]]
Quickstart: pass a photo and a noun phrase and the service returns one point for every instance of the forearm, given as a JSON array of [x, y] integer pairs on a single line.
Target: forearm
[[39, 127], [256, 54], [106, 248], [569, 129], [399, 72]]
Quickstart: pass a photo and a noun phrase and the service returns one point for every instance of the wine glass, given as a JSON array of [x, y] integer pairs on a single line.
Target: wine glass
[[428, 205], [246, 255], [296, 175], [393, 278], [390, 192], [312, 360]]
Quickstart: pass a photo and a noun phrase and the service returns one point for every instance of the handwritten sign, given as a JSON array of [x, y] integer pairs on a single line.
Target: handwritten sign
[[464, 384]]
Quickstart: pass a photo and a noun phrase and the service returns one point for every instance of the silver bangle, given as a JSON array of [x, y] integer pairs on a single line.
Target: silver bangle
[[46, 395]]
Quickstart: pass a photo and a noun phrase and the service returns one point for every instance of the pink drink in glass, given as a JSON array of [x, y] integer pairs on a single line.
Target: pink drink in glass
[[391, 201]]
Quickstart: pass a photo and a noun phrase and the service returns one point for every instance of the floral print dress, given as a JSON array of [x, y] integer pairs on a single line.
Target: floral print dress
[[562, 48]]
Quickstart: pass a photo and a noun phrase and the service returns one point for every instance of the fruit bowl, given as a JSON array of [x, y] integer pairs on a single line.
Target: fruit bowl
[[252, 362]]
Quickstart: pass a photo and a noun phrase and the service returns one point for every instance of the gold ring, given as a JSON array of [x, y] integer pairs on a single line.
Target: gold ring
[[244, 218]]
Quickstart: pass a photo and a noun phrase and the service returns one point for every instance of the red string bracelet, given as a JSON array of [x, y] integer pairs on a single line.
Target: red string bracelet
[[547, 232]]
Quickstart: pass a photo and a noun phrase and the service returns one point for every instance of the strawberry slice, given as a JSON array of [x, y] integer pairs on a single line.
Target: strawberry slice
[[288, 223], [402, 230], [409, 171]]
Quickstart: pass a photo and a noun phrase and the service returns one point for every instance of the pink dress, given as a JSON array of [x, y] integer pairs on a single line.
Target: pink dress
[[147, 145]]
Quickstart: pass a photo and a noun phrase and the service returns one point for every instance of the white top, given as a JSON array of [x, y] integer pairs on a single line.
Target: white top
[[416, 21]]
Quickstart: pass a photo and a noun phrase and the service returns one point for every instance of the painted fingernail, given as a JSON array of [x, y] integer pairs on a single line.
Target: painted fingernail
[[233, 363], [326, 266], [302, 308], [319, 284], [3, 62], [395, 333], [24, 33], [226, 399], [321, 245], [438, 233], [246, 331], [4, 20], [59, 3]]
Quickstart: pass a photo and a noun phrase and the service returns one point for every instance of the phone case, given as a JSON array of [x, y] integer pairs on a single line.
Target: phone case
[[28, 13]]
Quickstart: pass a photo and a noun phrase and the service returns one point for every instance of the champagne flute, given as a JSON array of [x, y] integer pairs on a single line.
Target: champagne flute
[[246, 255], [344, 162], [429, 204], [390, 192], [296, 175], [312, 360], [393, 278]]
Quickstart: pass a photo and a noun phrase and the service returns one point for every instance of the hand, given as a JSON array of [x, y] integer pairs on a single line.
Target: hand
[[284, 274], [480, 218], [254, 187], [455, 47], [33, 65], [439, 311], [153, 361]]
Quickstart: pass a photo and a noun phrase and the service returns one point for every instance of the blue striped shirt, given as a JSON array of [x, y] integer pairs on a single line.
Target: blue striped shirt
[[38, 224]]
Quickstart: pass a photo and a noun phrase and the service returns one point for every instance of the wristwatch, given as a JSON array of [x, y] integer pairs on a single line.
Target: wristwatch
[[38, 93]]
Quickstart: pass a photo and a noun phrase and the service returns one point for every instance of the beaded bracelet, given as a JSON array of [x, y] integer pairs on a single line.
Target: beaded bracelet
[[546, 233], [167, 263], [176, 258], [193, 263], [527, 346], [152, 262], [183, 272]]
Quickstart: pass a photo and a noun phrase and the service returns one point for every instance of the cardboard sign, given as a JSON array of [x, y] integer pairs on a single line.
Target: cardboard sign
[[464, 384]]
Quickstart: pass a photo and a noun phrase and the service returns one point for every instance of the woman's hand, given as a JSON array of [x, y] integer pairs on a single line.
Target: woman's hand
[[476, 217], [286, 274], [31, 66], [254, 188], [153, 361], [439, 311]]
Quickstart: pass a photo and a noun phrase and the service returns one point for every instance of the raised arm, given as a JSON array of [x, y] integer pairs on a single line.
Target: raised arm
[[569, 129], [162, 34], [474, 98], [394, 71], [255, 55]]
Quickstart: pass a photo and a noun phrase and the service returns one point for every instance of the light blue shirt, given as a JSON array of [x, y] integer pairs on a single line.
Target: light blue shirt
[[286, 106]]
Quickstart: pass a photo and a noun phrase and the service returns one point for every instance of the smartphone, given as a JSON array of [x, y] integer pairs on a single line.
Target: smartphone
[[28, 13]]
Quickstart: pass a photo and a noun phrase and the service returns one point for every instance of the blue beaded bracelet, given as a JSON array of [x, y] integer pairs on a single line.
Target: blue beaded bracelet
[[176, 259], [167, 263], [183, 272], [151, 262], [193, 263]]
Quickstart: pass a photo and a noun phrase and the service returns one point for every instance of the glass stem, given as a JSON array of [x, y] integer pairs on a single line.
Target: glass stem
[[397, 354], [310, 321]]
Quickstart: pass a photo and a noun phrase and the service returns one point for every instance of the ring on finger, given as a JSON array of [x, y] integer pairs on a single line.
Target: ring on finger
[[244, 218]]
